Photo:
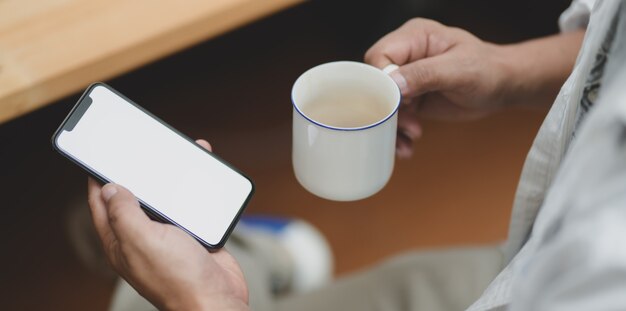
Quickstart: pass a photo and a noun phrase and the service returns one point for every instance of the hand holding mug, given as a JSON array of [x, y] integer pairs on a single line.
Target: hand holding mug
[[448, 73]]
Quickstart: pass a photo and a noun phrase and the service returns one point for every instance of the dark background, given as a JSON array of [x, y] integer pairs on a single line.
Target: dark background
[[234, 91]]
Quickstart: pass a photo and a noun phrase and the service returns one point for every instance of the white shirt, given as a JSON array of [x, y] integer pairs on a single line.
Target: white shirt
[[567, 238], [576, 16]]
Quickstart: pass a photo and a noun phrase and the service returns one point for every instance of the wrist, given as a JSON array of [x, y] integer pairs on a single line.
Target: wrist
[[507, 75], [536, 69], [518, 79]]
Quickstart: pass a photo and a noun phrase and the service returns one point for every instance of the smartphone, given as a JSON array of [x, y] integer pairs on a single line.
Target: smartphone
[[174, 179]]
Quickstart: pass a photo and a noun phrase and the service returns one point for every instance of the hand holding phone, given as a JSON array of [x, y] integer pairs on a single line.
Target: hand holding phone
[[174, 179], [164, 264]]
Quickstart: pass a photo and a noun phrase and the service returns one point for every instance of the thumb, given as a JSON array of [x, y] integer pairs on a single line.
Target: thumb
[[125, 217], [422, 76]]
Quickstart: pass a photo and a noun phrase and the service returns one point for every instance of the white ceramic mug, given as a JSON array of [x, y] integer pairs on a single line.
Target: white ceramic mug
[[344, 163]]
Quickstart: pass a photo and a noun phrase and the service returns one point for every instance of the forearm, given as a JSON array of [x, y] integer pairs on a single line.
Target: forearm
[[538, 68]]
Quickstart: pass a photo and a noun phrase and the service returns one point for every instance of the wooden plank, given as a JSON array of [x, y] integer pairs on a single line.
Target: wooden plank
[[49, 49]]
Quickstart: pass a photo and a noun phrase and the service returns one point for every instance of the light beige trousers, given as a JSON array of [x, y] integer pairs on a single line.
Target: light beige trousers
[[436, 280]]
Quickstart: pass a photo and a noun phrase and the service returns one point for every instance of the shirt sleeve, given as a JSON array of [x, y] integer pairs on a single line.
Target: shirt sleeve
[[576, 16]]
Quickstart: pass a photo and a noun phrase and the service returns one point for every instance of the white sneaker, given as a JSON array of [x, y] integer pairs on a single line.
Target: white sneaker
[[299, 254]]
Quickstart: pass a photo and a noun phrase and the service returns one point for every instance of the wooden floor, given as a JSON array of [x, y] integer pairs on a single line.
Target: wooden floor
[[234, 92]]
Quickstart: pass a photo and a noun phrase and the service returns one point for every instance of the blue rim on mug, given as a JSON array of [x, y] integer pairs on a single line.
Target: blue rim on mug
[[360, 128]]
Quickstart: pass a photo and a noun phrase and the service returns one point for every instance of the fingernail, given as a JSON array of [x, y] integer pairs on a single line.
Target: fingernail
[[108, 191], [400, 81]]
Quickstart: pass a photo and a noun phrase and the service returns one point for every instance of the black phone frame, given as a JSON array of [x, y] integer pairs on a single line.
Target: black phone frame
[[74, 117]]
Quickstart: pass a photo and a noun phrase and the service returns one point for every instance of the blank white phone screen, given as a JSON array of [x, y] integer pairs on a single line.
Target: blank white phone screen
[[164, 170]]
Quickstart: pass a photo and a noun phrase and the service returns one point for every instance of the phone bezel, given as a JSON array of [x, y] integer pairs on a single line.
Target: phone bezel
[[76, 114]]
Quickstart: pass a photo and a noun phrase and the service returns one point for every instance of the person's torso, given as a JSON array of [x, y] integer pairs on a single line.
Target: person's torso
[[574, 101]]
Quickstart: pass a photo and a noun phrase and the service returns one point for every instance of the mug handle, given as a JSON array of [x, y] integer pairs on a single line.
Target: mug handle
[[390, 68]]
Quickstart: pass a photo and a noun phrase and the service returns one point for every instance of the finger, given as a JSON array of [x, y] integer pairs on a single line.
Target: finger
[[126, 219], [394, 48], [416, 39], [205, 144], [426, 75], [408, 123], [99, 213], [391, 49], [404, 146], [409, 130]]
